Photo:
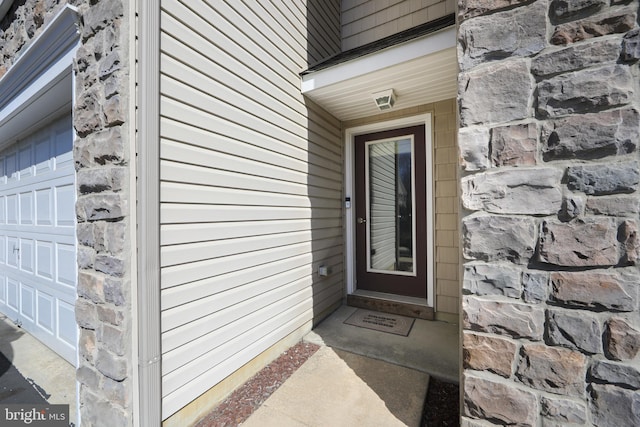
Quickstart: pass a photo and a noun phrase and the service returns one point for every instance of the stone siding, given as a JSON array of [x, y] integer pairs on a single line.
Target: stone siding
[[549, 130], [101, 154]]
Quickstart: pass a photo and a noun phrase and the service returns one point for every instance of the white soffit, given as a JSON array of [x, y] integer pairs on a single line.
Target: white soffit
[[419, 71], [38, 86]]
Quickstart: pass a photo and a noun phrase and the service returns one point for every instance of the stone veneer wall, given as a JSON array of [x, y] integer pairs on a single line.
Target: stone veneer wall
[[101, 153], [549, 132]]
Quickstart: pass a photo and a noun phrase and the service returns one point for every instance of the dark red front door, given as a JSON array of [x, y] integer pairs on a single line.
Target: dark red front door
[[391, 229]]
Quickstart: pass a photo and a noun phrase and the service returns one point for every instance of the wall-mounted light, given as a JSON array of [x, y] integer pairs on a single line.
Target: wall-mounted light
[[384, 100]]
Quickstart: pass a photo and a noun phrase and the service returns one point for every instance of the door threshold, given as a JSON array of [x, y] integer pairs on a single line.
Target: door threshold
[[390, 303]]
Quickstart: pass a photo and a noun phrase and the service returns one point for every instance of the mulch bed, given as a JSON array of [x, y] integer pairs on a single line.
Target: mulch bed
[[441, 406], [236, 408]]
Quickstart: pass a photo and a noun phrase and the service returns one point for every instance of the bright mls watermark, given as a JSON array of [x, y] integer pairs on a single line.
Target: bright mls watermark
[[34, 415]]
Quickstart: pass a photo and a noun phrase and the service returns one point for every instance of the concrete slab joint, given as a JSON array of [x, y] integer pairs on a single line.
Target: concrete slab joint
[[550, 176]]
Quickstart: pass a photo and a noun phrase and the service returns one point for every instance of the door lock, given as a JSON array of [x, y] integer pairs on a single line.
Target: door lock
[[361, 220]]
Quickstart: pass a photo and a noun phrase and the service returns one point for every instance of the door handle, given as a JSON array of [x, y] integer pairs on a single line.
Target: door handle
[[361, 220]]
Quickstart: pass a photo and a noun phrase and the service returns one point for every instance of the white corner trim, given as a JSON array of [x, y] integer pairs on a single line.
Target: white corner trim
[[38, 84], [148, 218], [4, 7], [376, 61], [349, 191]]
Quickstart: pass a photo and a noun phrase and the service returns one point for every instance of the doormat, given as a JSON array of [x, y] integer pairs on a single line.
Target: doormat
[[383, 322]]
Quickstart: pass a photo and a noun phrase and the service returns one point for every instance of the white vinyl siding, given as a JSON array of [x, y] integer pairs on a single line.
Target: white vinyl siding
[[251, 185], [365, 21]]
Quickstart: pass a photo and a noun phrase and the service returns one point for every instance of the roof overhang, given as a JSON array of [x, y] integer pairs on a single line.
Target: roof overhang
[[38, 86], [419, 71]]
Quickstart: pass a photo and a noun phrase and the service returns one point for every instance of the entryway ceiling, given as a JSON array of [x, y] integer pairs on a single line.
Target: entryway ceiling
[[420, 71]]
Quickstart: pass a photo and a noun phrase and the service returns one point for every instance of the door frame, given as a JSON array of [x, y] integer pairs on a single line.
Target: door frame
[[349, 193]]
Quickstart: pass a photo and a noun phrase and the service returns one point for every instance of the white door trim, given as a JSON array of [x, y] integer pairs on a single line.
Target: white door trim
[[349, 192]]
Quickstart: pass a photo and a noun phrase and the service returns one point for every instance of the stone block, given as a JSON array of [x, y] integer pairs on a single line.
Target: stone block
[[87, 112], [535, 286], [572, 207], [116, 392], [87, 344], [604, 371], [563, 411], [516, 191], [618, 205], [101, 206], [498, 238], [577, 330], [596, 289], [470, 8], [86, 314], [500, 402], [113, 339], [86, 257], [514, 145], [492, 279], [580, 243], [115, 238], [628, 236], [516, 32], [96, 410], [576, 57], [503, 318], [114, 111], [553, 369], [614, 406], [604, 179], [497, 93], [474, 148], [563, 10], [99, 15], [91, 286], [107, 264], [110, 315], [591, 136], [613, 21], [88, 377], [101, 148], [111, 365], [109, 65], [631, 46], [484, 353], [621, 340], [114, 291], [97, 180], [585, 91]]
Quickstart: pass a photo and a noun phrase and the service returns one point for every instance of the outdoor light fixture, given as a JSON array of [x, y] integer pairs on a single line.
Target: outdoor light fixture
[[384, 100]]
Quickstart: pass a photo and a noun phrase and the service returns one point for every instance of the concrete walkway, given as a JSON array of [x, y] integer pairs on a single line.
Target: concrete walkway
[[361, 377], [41, 374]]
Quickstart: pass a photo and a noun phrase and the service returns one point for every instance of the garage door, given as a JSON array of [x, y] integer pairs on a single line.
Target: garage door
[[37, 236]]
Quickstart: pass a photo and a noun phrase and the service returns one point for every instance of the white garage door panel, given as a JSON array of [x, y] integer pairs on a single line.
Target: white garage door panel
[[37, 236]]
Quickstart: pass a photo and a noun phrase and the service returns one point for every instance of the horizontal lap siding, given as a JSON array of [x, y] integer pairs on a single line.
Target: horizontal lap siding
[[365, 21], [251, 185]]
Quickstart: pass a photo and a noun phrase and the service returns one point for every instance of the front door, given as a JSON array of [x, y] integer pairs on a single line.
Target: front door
[[391, 226]]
